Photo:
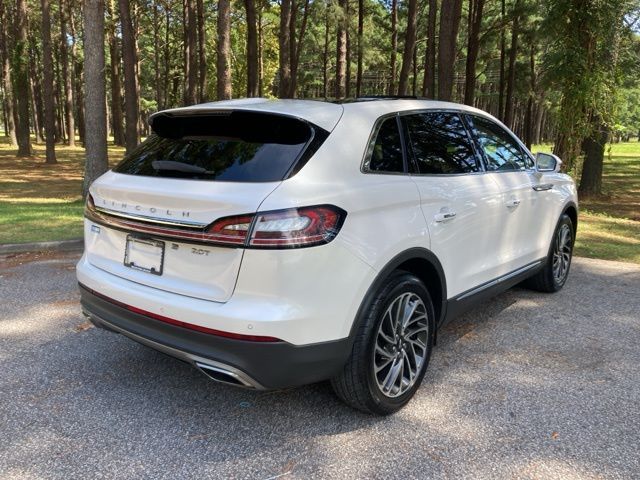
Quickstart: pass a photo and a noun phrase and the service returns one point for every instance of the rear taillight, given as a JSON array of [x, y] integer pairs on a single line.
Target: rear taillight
[[290, 228]]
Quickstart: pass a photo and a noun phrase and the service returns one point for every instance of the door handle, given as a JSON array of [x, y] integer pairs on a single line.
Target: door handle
[[542, 187], [514, 202], [443, 217]]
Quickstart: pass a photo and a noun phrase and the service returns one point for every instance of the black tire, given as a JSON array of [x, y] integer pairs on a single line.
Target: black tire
[[357, 384], [546, 280]]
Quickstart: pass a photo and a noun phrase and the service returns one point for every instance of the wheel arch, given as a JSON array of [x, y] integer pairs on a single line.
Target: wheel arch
[[571, 209], [423, 264]]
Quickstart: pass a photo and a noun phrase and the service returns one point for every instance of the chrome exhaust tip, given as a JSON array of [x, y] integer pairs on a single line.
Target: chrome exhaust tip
[[222, 375]]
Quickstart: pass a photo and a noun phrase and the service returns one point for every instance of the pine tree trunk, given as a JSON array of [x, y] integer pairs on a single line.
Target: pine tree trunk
[[429, 83], [341, 52], [394, 46], [68, 88], [347, 23], [47, 65], [449, 24], [223, 62], [325, 55], [202, 53], [360, 47], [130, 84], [96, 111], [115, 75], [20, 70], [473, 46], [190, 53], [7, 86], [252, 49], [511, 80], [35, 94], [260, 49], [409, 47], [296, 45], [503, 14], [593, 146], [77, 75], [284, 71]]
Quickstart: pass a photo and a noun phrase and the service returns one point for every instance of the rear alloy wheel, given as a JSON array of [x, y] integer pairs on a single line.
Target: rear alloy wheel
[[554, 274], [401, 345], [391, 348]]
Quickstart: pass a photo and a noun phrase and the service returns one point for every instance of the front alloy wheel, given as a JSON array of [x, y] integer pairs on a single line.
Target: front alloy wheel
[[555, 271], [562, 253]]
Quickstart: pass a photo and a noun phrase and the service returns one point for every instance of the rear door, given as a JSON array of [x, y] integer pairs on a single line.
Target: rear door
[[461, 205], [523, 237], [193, 171]]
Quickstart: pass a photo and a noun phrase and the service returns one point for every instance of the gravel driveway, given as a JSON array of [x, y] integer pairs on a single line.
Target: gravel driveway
[[525, 386]]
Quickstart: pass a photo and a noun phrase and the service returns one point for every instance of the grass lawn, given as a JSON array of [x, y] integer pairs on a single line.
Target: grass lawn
[[41, 202]]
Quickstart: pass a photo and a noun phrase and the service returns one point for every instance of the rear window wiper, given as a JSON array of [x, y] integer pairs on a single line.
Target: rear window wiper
[[170, 165]]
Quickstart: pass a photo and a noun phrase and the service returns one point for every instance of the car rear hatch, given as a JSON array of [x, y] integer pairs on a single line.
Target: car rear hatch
[[147, 218]]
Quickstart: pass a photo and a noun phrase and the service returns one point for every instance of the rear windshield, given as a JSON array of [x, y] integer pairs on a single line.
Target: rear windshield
[[233, 147]]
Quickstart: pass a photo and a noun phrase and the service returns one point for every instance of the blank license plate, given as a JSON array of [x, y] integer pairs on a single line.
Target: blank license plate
[[145, 255]]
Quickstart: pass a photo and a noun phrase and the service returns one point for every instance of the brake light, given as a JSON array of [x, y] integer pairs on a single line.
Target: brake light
[[296, 227], [289, 228]]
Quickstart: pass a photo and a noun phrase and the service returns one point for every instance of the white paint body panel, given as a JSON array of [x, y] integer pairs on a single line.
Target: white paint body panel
[[312, 295]]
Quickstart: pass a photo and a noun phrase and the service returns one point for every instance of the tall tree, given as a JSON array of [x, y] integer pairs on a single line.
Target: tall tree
[[503, 56], [409, 47], [9, 99], [429, 82], [190, 52], [449, 23], [20, 70], [130, 77], [511, 79], [295, 43], [115, 77], [95, 108], [47, 59], [68, 83], [360, 47], [223, 50], [284, 72], [473, 46], [341, 51], [394, 47], [202, 52], [252, 49]]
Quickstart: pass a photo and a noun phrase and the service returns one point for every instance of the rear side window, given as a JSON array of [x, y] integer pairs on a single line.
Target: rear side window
[[233, 147], [500, 150], [440, 144], [385, 154]]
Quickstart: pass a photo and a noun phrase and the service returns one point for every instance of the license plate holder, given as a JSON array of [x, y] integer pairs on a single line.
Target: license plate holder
[[144, 254]]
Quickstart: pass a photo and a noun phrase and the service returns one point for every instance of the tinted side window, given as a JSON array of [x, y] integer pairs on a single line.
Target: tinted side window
[[386, 152], [500, 150], [440, 144]]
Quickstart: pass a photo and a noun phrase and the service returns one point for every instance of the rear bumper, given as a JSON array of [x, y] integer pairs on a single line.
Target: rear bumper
[[256, 365]]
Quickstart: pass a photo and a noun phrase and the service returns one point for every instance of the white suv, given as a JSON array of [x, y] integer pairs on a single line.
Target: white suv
[[274, 243]]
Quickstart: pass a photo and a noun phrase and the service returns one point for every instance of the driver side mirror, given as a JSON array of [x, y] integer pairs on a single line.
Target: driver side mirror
[[547, 162]]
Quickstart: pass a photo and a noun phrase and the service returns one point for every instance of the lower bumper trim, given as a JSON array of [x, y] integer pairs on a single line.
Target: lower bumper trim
[[235, 376]]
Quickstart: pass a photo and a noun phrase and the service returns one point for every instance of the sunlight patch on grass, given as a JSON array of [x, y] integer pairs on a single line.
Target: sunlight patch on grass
[[610, 238]]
